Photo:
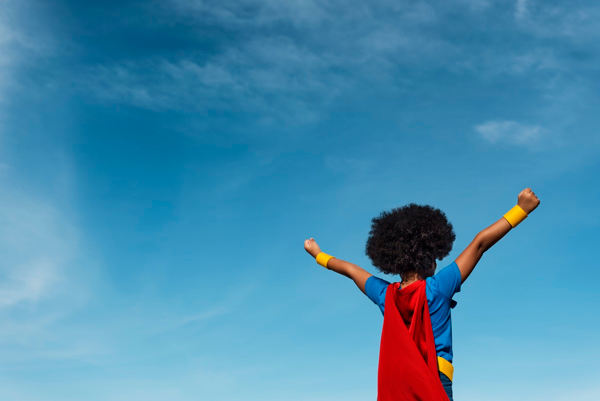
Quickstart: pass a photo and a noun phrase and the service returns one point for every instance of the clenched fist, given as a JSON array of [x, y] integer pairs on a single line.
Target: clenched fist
[[528, 201], [312, 247]]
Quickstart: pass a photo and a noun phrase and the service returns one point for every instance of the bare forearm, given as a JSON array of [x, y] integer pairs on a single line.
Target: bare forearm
[[494, 233], [483, 241], [342, 267], [350, 270]]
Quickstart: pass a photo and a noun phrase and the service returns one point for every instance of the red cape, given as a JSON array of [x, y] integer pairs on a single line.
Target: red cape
[[408, 369]]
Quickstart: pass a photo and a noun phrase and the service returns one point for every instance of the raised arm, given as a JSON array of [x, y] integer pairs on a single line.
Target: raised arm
[[483, 241], [350, 270]]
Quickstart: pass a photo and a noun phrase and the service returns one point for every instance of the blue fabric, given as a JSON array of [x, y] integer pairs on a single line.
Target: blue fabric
[[440, 289], [447, 383]]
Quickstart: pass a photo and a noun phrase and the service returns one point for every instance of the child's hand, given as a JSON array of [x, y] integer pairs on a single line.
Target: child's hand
[[312, 247], [528, 201]]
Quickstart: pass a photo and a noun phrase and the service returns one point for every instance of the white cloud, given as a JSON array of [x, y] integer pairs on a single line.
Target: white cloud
[[272, 77], [510, 132], [292, 75], [477, 5], [44, 279], [6, 39], [570, 22], [207, 314], [33, 237], [36, 243], [490, 63], [292, 62], [39, 281], [12, 41], [18, 44], [260, 12], [521, 10]]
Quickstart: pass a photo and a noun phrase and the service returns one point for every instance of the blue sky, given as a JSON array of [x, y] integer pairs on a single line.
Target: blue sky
[[161, 163]]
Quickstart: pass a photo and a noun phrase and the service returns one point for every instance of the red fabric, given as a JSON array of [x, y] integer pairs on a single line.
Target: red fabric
[[408, 369]]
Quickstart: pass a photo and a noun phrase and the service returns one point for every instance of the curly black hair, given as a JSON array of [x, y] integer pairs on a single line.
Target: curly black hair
[[406, 240]]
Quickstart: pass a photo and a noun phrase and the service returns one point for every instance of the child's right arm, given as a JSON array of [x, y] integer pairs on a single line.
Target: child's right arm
[[483, 241], [350, 270]]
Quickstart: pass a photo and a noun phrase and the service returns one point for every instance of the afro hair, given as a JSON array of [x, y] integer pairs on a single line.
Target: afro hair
[[408, 239]]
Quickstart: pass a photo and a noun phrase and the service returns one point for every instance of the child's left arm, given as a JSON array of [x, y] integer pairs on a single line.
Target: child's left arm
[[483, 241], [350, 270]]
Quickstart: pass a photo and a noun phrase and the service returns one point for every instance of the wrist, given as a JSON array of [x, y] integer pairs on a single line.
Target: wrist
[[322, 259], [515, 215], [527, 209]]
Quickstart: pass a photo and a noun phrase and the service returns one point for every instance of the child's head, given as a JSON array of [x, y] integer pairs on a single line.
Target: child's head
[[409, 239]]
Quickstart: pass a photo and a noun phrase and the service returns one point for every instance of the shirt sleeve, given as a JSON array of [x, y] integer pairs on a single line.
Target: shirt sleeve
[[448, 280], [375, 288]]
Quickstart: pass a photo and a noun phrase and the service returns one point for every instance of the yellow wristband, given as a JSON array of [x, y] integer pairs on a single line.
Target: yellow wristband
[[323, 258], [515, 215]]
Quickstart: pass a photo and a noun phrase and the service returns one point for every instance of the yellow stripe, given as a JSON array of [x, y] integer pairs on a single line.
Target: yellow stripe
[[445, 367], [515, 215], [323, 258]]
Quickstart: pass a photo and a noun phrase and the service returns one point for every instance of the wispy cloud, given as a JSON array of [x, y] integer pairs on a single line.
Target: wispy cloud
[[44, 281], [7, 40], [477, 5], [572, 22], [18, 45], [292, 60], [271, 76], [521, 10], [320, 52], [36, 244], [253, 12], [41, 277], [515, 63], [511, 132], [207, 314]]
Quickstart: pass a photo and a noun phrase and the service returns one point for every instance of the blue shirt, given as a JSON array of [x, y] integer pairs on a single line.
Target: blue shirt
[[440, 289]]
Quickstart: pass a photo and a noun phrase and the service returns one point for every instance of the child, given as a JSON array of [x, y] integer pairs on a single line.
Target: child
[[415, 360]]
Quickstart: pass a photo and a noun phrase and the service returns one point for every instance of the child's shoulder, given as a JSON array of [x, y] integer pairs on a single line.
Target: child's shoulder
[[446, 282], [375, 289]]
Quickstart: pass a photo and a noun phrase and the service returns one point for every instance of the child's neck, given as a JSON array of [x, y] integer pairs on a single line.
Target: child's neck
[[409, 279]]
